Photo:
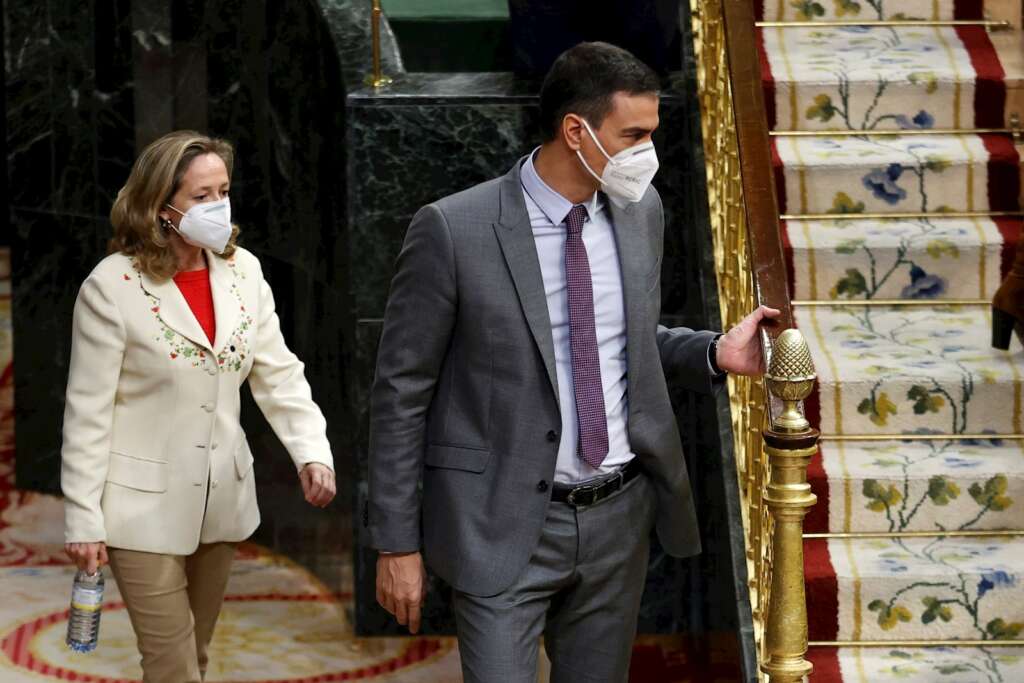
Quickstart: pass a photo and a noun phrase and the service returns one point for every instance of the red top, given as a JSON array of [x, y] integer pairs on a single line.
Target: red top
[[195, 287]]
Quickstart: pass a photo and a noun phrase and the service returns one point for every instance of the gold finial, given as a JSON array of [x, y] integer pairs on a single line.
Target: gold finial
[[790, 378]]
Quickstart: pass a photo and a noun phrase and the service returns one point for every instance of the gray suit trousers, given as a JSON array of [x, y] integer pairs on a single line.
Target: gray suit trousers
[[581, 590]]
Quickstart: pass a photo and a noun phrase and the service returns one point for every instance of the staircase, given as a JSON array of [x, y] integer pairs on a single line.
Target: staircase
[[914, 553]]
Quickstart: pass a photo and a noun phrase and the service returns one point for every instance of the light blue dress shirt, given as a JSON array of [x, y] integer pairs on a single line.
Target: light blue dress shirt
[[547, 211]]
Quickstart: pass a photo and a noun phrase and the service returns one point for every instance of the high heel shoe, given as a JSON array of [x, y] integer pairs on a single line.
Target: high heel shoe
[[1008, 303], [1003, 325]]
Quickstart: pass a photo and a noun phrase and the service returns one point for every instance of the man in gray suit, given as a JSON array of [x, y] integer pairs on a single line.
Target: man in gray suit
[[521, 378]]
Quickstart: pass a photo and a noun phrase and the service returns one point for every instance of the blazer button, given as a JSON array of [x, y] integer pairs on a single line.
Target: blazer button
[[208, 407], [214, 483], [542, 486], [552, 436]]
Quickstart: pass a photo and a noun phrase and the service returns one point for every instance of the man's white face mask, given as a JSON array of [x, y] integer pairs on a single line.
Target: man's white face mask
[[628, 174]]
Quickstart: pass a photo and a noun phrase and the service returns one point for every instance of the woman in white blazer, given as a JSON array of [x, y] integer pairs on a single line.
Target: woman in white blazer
[[156, 472]]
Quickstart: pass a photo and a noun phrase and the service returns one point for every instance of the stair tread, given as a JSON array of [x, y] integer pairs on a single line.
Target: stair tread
[[894, 486], [896, 370], [857, 77], [967, 254], [909, 557], [959, 664], [868, 53], [880, 458], [826, 10]]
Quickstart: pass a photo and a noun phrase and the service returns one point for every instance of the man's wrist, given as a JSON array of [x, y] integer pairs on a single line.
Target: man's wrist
[[716, 370]]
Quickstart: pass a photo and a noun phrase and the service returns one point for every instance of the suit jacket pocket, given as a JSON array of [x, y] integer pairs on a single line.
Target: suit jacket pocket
[[243, 459], [451, 457], [142, 474]]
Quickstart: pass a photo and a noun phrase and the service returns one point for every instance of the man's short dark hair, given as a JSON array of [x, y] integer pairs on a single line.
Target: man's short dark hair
[[583, 81]]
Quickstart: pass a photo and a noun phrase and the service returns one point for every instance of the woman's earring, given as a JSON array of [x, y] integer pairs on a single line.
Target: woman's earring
[[166, 223]]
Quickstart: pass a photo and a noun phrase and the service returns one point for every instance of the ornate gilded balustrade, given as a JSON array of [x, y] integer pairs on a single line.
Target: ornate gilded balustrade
[[773, 442]]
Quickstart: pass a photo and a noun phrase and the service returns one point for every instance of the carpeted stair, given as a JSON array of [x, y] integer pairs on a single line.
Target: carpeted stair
[[925, 370]]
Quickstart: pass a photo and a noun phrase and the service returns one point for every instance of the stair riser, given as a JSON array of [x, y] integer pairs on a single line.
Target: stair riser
[[929, 175], [983, 414], [897, 486], [792, 103], [886, 260], [883, 589], [849, 508]]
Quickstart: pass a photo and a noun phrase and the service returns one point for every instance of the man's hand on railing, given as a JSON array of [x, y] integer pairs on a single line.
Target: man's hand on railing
[[739, 350]]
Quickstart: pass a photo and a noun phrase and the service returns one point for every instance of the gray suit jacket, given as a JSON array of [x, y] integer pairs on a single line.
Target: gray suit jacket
[[465, 397]]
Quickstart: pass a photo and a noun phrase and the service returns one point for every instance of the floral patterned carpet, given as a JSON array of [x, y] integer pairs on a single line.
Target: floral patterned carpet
[[924, 372]]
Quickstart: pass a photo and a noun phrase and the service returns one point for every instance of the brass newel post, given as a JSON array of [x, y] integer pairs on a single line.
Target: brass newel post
[[789, 445]]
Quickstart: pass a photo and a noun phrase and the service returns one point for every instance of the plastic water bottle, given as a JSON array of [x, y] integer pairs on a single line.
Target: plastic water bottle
[[86, 605]]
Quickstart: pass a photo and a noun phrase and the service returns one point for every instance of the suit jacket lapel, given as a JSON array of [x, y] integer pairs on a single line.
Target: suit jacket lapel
[[628, 239], [515, 236], [174, 310], [226, 306]]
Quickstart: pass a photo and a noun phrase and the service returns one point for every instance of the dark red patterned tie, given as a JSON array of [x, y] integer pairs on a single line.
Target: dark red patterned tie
[[586, 365]]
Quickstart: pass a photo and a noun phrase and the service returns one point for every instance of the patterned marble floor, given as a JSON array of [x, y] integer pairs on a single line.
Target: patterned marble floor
[[279, 624]]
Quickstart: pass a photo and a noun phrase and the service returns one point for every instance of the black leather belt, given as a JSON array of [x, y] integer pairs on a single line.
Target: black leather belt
[[589, 493]]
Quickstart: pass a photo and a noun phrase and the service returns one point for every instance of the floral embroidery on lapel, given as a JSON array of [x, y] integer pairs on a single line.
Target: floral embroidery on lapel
[[237, 348], [180, 347], [234, 352]]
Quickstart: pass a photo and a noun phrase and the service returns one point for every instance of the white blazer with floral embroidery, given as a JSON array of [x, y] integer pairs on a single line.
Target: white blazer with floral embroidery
[[154, 458]]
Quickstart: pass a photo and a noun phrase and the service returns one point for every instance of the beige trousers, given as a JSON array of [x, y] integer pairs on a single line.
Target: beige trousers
[[173, 602]]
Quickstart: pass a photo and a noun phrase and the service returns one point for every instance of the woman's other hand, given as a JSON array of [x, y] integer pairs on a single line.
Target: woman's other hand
[[88, 556], [317, 484]]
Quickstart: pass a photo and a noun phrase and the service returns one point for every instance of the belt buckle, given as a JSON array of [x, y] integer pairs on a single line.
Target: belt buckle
[[571, 499], [593, 489]]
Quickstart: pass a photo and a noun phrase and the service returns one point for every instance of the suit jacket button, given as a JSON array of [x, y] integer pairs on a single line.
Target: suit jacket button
[[542, 486], [552, 436]]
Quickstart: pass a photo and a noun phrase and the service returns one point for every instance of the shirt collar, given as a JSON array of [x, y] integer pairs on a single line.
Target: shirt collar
[[553, 205]]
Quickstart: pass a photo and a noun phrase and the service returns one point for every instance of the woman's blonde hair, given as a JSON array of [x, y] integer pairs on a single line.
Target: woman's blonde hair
[[155, 178]]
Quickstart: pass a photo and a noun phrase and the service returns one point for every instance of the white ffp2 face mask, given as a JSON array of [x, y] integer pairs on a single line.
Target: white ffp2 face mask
[[628, 174], [206, 225]]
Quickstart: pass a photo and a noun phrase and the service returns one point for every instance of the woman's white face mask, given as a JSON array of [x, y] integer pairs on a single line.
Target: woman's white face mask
[[628, 174], [206, 225]]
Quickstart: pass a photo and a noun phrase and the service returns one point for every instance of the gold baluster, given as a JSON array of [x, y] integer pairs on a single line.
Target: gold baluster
[[789, 445]]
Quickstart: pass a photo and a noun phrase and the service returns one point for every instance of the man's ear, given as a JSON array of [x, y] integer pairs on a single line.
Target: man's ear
[[572, 131]]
